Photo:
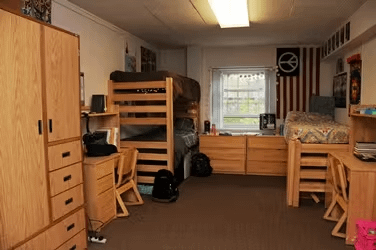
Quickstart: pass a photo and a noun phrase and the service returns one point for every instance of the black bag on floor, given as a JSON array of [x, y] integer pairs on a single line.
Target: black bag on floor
[[201, 165], [165, 188]]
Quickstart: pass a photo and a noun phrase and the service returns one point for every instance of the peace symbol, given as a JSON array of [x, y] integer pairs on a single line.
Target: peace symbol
[[288, 62]]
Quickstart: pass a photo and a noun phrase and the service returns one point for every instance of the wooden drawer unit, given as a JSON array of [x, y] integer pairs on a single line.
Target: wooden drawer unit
[[78, 242], [64, 154], [67, 201], [104, 183], [66, 229], [106, 201], [207, 141], [62, 232], [39, 242], [227, 153], [257, 154], [65, 178], [100, 189], [225, 166], [266, 155], [105, 168], [266, 168]]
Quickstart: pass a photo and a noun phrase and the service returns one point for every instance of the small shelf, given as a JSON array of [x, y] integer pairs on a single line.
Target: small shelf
[[366, 36]]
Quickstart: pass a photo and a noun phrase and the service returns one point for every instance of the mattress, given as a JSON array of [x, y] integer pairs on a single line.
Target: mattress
[[314, 128], [184, 88]]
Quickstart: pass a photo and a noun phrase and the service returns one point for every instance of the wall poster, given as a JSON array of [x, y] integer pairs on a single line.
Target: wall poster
[[355, 81], [339, 90], [148, 60], [39, 9]]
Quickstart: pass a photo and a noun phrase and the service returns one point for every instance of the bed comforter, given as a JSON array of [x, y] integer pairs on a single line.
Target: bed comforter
[[184, 88], [314, 128]]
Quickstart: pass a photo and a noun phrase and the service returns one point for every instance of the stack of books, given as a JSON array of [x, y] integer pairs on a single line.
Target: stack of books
[[365, 151]]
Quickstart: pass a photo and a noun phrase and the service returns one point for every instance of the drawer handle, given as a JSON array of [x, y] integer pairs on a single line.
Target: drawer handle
[[70, 200], [50, 125], [65, 154], [40, 127], [70, 227], [67, 178], [73, 248]]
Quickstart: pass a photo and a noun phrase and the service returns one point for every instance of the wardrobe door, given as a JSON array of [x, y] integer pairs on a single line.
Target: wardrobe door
[[62, 84], [24, 208]]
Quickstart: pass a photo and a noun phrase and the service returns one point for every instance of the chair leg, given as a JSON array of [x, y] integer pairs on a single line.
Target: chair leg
[[139, 201], [330, 210], [122, 206], [335, 231]]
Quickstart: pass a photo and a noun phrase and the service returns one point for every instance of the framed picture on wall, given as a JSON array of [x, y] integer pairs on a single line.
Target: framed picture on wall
[[337, 39], [130, 63], [355, 82], [333, 42], [148, 60], [339, 90], [347, 32], [342, 35]]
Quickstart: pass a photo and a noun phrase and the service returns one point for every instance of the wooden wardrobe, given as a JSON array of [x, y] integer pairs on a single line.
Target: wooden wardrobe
[[41, 190]]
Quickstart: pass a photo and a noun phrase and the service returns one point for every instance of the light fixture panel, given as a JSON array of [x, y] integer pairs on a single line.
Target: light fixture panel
[[230, 13]]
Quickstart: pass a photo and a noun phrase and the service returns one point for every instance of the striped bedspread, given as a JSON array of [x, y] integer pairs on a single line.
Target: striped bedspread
[[314, 128]]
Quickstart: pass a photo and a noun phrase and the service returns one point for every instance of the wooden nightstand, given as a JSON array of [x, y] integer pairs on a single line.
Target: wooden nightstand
[[100, 189]]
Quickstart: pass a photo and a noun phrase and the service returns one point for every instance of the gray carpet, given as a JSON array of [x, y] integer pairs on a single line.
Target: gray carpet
[[224, 212]]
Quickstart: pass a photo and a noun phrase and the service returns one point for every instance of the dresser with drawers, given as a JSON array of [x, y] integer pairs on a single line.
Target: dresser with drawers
[[41, 175], [246, 154]]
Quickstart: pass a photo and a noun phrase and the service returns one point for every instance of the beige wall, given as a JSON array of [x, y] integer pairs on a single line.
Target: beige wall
[[174, 60], [102, 45]]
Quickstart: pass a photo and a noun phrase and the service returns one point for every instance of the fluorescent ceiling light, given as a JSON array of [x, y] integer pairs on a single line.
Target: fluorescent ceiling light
[[230, 13]]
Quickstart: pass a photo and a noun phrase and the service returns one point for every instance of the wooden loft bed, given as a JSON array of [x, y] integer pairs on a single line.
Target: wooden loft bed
[[146, 103], [307, 161]]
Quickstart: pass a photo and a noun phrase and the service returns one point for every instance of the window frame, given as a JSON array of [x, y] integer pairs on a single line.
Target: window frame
[[217, 115]]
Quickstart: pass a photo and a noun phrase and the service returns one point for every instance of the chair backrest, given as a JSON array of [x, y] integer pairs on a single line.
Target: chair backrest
[[127, 165], [339, 177]]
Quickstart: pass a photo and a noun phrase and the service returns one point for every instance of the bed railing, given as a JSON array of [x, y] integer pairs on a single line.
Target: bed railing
[[141, 104]]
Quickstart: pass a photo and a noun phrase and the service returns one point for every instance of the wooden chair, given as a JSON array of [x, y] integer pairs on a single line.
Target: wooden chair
[[125, 179], [340, 195]]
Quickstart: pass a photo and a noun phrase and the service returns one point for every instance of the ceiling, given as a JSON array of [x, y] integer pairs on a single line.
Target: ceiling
[[178, 23]]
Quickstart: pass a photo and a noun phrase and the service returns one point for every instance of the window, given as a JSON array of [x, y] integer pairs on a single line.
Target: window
[[239, 97]]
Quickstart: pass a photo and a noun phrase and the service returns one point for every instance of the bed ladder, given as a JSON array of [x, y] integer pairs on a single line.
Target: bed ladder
[[306, 174]]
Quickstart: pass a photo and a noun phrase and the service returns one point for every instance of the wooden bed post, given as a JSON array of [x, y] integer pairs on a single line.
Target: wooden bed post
[[293, 165], [296, 179], [170, 124], [290, 172], [110, 93]]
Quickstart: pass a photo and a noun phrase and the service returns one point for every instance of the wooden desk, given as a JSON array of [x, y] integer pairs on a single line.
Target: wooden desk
[[362, 191], [100, 189]]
